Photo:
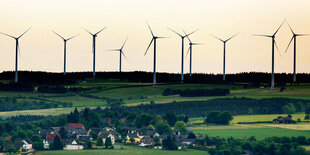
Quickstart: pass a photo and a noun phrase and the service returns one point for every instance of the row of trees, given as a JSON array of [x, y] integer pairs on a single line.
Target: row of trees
[[237, 106]]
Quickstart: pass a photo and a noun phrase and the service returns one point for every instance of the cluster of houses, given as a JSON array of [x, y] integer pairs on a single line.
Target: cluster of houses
[[76, 137]]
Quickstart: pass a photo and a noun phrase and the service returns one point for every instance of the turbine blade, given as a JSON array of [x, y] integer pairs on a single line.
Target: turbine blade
[[162, 37], [279, 28], [289, 44], [175, 32], [277, 48], [59, 35], [88, 31], [124, 55], [290, 27], [100, 30], [149, 28], [197, 44], [187, 36], [262, 35], [232, 37], [7, 35], [114, 50], [148, 46], [73, 37], [187, 52], [302, 34], [192, 32], [124, 43], [24, 32], [217, 37]]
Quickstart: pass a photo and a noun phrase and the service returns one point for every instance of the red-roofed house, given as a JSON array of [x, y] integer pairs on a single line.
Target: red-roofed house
[[76, 125], [8, 138]]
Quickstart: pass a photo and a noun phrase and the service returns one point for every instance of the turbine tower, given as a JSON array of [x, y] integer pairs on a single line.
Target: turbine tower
[[294, 37], [182, 59], [94, 49], [191, 44], [154, 38], [274, 44], [16, 53], [120, 55], [65, 49], [224, 54]]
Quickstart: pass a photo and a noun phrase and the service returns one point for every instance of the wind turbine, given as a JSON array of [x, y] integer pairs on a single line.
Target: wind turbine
[[191, 44], [154, 42], [120, 55], [295, 40], [274, 43], [182, 59], [224, 54], [16, 53], [65, 48], [94, 49]]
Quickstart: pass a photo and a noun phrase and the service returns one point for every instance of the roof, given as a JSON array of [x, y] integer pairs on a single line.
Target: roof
[[27, 141], [76, 125], [132, 135], [147, 140], [105, 135]]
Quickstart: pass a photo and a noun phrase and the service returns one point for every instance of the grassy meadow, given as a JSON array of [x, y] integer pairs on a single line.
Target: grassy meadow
[[127, 150]]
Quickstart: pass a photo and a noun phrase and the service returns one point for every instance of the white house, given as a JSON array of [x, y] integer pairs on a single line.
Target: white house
[[46, 144], [27, 145], [73, 145]]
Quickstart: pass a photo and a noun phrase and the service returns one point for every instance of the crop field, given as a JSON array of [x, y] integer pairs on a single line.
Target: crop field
[[127, 150]]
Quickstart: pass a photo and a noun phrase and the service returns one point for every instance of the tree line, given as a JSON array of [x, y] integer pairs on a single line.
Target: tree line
[[256, 78], [235, 105]]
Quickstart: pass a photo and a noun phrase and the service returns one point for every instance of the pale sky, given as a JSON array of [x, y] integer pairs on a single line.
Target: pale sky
[[42, 50]]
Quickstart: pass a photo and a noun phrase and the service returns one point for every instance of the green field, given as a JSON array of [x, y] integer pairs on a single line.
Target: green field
[[127, 150], [259, 133], [252, 118]]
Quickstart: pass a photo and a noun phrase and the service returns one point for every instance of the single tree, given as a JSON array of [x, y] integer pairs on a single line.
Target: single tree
[[108, 142]]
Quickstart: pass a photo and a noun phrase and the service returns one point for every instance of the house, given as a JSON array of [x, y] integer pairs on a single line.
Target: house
[[27, 144], [184, 143], [129, 129], [44, 132], [16, 145], [146, 141], [134, 136], [46, 143], [247, 152], [71, 144], [104, 137], [149, 133], [283, 120]]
